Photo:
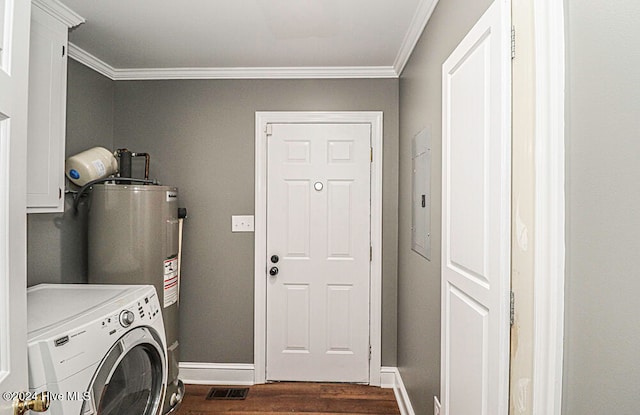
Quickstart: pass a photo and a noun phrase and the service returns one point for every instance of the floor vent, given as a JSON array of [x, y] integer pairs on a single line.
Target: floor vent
[[228, 393]]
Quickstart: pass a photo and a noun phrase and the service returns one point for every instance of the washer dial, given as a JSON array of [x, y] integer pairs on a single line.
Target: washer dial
[[126, 318]]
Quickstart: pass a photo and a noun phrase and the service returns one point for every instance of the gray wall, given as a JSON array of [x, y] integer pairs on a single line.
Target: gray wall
[[200, 134], [56, 243], [602, 322], [419, 279]]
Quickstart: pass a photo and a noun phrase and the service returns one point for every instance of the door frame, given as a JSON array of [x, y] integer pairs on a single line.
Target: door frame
[[14, 74], [549, 199], [375, 119], [548, 159]]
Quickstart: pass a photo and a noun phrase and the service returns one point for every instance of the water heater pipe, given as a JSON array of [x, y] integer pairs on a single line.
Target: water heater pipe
[[125, 162], [147, 161]]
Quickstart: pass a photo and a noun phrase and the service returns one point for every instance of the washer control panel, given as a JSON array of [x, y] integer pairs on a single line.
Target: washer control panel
[[143, 311], [148, 309]]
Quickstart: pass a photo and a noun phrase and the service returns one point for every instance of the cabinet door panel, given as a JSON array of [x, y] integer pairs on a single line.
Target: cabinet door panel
[[47, 108]]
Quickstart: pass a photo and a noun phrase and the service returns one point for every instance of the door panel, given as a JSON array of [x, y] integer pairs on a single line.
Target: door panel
[[339, 219], [318, 223], [297, 316], [468, 348], [297, 218], [338, 319], [476, 219]]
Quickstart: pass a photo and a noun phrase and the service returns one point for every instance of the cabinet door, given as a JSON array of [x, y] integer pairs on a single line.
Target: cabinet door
[[47, 108]]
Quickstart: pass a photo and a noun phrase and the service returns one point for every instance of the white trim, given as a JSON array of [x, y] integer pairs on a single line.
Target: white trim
[[550, 210], [90, 61], [416, 27], [129, 74], [388, 376], [260, 251], [60, 12], [257, 73], [392, 379], [216, 373]]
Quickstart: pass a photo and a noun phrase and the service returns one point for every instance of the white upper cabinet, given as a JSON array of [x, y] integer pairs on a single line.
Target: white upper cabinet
[[50, 23]]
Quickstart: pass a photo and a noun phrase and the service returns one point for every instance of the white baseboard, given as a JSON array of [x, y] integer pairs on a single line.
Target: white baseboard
[[243, 374], [217, 373], [390, 378]]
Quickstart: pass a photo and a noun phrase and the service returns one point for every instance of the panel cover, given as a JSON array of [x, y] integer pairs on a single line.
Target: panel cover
[[338, 319], [340, 151], [339, 218], [468, 148], [298, 220], [297, 314], [468, 337], [298, 151]]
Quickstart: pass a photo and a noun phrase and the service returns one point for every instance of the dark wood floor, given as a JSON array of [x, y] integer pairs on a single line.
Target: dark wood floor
[[294, 398]]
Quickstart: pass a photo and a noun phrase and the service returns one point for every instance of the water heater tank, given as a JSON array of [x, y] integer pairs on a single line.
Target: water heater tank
[[133, 239]]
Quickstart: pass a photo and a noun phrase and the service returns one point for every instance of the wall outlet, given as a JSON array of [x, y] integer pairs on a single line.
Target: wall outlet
[[436, 406], [242, 223]]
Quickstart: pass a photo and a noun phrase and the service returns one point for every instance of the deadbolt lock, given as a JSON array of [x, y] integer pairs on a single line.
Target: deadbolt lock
[[39, 404]]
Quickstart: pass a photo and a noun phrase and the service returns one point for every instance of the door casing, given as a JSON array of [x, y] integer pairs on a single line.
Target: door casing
[[375, 119], [14, 70]]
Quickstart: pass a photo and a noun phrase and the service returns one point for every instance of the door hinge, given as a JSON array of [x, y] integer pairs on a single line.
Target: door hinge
[[372, 154], [512, 308], [369, 352], [63, 50], [268, 129], [59, 193], [513, 42], [370, 253]]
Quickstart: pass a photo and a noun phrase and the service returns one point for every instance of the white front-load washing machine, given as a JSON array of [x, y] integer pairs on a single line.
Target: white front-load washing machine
[[97, 349]]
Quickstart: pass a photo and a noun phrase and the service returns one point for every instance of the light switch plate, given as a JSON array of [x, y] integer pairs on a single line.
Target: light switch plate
[[242, 223]]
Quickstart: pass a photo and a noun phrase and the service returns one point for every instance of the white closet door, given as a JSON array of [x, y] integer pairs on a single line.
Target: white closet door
[[476, 219]]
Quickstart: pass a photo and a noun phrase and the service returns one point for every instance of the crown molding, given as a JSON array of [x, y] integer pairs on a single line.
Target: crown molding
[[117, 74], [418, 23], [60, 12], [257, 73], [87, 59], [416, 27]]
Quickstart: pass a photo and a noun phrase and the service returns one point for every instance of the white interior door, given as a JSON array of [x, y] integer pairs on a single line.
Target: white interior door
[[318, 225], [476, 219], [14, 65]]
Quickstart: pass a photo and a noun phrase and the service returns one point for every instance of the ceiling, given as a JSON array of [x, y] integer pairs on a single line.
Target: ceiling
[[138, 39]]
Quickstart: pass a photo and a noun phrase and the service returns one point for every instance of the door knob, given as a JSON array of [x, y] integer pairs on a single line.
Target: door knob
[[273, 271], [275, 259], [39, 404]]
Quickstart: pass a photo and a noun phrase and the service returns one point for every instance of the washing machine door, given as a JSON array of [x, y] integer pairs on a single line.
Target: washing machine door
[[132, 377]]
